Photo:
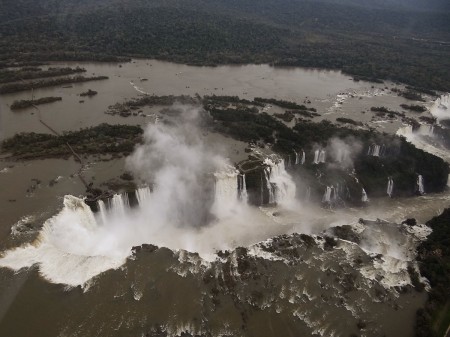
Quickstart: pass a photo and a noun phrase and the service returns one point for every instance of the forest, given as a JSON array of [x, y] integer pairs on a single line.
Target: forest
[[401, 44]]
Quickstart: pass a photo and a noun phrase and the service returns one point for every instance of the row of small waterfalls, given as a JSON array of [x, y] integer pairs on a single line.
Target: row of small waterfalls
[[230, 186]]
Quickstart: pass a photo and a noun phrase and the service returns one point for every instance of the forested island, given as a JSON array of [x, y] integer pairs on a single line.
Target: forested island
[[42, 83], [23, 104]]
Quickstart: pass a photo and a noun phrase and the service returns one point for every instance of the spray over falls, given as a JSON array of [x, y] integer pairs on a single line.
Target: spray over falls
[[197, 202]]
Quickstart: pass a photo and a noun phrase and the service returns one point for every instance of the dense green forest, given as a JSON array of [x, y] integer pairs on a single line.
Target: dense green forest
[[405, 43], [101, 139], [434, 259]]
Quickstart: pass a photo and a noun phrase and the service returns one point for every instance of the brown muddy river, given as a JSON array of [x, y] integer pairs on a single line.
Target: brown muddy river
[[171, 289]]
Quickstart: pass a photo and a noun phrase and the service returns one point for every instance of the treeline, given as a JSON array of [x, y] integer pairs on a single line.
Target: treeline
[[125, 109], [369, 44], [33, 73], [22, 86], [23, 104], [101, 139], [434, 263]]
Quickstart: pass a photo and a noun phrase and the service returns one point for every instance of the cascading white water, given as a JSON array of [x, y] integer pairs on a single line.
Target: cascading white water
[[118, 204], [322, 156], [284, 187], [364, 197], [142, 195], [243, 188], [426, 130], [441, 107], [303, 158], [269, 185], [390, 187], [297, 158], [327, 195], [374, 150], [420, 184], [226, 186], [102, 211], [316, 157], [70, 248]]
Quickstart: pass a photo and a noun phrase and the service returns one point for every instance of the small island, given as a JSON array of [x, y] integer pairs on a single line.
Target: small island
[[24, 104], [89, 93]]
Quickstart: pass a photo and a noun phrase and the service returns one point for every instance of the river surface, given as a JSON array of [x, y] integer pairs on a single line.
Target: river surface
[[332, 93], [160, 289]]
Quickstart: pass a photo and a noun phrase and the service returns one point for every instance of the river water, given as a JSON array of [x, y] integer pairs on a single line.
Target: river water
[[172, 294]]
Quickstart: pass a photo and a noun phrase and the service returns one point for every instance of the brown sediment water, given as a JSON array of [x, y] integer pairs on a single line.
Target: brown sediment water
[[166, 288]]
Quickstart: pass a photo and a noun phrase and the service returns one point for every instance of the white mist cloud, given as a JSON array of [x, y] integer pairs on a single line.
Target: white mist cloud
[[344, 150]]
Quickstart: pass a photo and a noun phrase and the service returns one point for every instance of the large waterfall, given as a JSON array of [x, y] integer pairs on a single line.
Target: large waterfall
[[390, 187], [242, 187], [420, 187], [364, 197], [143, 194], [441, 107], [226, 186], [319, 156], [328, 194], [281, 187], [102, 211], [119, 204], [376, 150]]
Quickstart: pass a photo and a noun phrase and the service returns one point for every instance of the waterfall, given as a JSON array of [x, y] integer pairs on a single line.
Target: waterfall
[[390, 187], [316, 157], [420, 184], [102, 211], [297, 158], [226, 186], [426, 130], [327, 195], [281, 187], [303, 157], [322, 156], [118, 204], [142, 194], [269, 185], [308, 193], [382, 150], [364, 197], [374, 150], [441, 107], [242, 186]]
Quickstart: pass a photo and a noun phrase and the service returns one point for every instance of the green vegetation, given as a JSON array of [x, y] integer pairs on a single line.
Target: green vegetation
[[287, 116], [434, 262], [125, 109], [89, 93], [368, 42], [101, 139], [348, 121], [22, 86], [415, 108], [33, 73], [23, 104]]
